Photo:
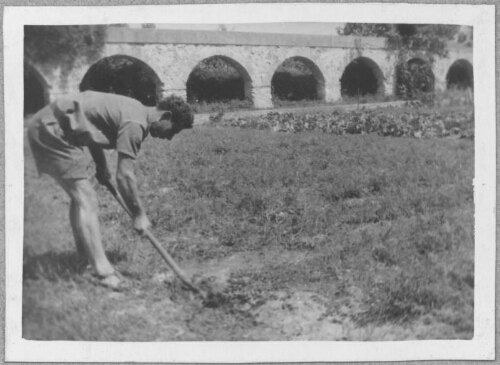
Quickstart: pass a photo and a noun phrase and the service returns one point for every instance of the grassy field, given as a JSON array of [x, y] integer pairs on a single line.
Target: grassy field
[[308, 236]]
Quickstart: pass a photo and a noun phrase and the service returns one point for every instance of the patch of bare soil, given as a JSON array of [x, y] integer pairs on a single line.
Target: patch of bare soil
[[246, 314]]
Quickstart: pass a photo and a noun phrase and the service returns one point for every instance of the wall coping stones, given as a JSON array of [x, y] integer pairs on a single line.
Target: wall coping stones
[[174, 36]]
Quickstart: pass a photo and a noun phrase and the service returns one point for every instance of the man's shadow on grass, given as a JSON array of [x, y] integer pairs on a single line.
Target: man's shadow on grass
[[65, 265]]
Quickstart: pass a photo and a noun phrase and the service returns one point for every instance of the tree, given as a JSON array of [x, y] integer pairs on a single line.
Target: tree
[[428, 40], [63, 46], [415, 78], [366, 29]]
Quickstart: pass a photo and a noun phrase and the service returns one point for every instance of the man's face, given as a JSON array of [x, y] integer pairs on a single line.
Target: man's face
[[165, 128]]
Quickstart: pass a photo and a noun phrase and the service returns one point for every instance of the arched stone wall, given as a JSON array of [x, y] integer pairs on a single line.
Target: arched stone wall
[[363, 67], [460, 75], [315, 71], [221, 87], [442, 65], [173, 55], [384, 68], [174, 63], [125, 77], [316, 58], [242, 71]]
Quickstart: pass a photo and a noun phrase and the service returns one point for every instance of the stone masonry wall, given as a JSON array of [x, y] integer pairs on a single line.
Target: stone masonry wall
[[257, 62]]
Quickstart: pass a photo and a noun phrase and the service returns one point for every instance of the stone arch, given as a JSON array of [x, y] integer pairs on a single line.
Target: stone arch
[[362, 76], [414, 76], [36, 90], [460, 75], [124, 75], [235, 78], [306, 84]]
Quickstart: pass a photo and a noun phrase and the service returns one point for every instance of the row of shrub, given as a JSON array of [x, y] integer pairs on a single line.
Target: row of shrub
[[382, 121]]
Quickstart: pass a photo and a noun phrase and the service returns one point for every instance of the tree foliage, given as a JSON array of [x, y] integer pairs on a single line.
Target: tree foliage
[[63, 45], [215, 68], [414, 75], [295, 67], [366, 29], [414, 78], [430, 39]]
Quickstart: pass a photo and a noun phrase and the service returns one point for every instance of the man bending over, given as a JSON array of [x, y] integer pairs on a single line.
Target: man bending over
[[58, 135]]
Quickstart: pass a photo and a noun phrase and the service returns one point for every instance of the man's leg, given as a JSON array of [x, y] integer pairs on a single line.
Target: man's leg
[[85, 223], [68, 165], [80, 247]]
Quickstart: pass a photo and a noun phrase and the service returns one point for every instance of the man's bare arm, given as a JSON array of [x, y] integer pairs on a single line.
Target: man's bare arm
[[102, 171], [127, 185]]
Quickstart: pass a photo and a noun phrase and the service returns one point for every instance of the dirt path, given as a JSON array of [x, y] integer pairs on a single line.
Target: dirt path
[[205, 117], [294, 314]]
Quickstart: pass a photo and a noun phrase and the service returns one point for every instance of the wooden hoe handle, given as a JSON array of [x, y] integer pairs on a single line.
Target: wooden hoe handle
[[156, 244]]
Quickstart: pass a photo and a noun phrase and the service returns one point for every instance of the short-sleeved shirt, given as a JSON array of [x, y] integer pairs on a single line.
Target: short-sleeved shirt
[[122, 120]]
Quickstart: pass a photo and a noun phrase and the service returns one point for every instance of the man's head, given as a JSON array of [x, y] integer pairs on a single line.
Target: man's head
[[174, 115]]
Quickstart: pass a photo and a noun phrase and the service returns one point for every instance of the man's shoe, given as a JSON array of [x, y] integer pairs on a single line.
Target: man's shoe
[[114, 282]]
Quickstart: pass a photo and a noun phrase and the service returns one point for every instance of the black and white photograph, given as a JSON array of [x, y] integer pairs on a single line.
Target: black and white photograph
[[246, 188]]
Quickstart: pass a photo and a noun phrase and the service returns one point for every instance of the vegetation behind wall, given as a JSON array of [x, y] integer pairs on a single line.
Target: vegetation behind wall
[[63, 45]]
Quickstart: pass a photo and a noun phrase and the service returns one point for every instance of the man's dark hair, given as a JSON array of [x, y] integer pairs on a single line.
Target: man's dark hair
[[181, 112]]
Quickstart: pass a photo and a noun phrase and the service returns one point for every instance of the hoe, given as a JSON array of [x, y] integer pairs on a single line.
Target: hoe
[[168, 259]]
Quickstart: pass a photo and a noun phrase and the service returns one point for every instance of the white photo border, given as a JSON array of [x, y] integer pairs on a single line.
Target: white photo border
[[481, 347]]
